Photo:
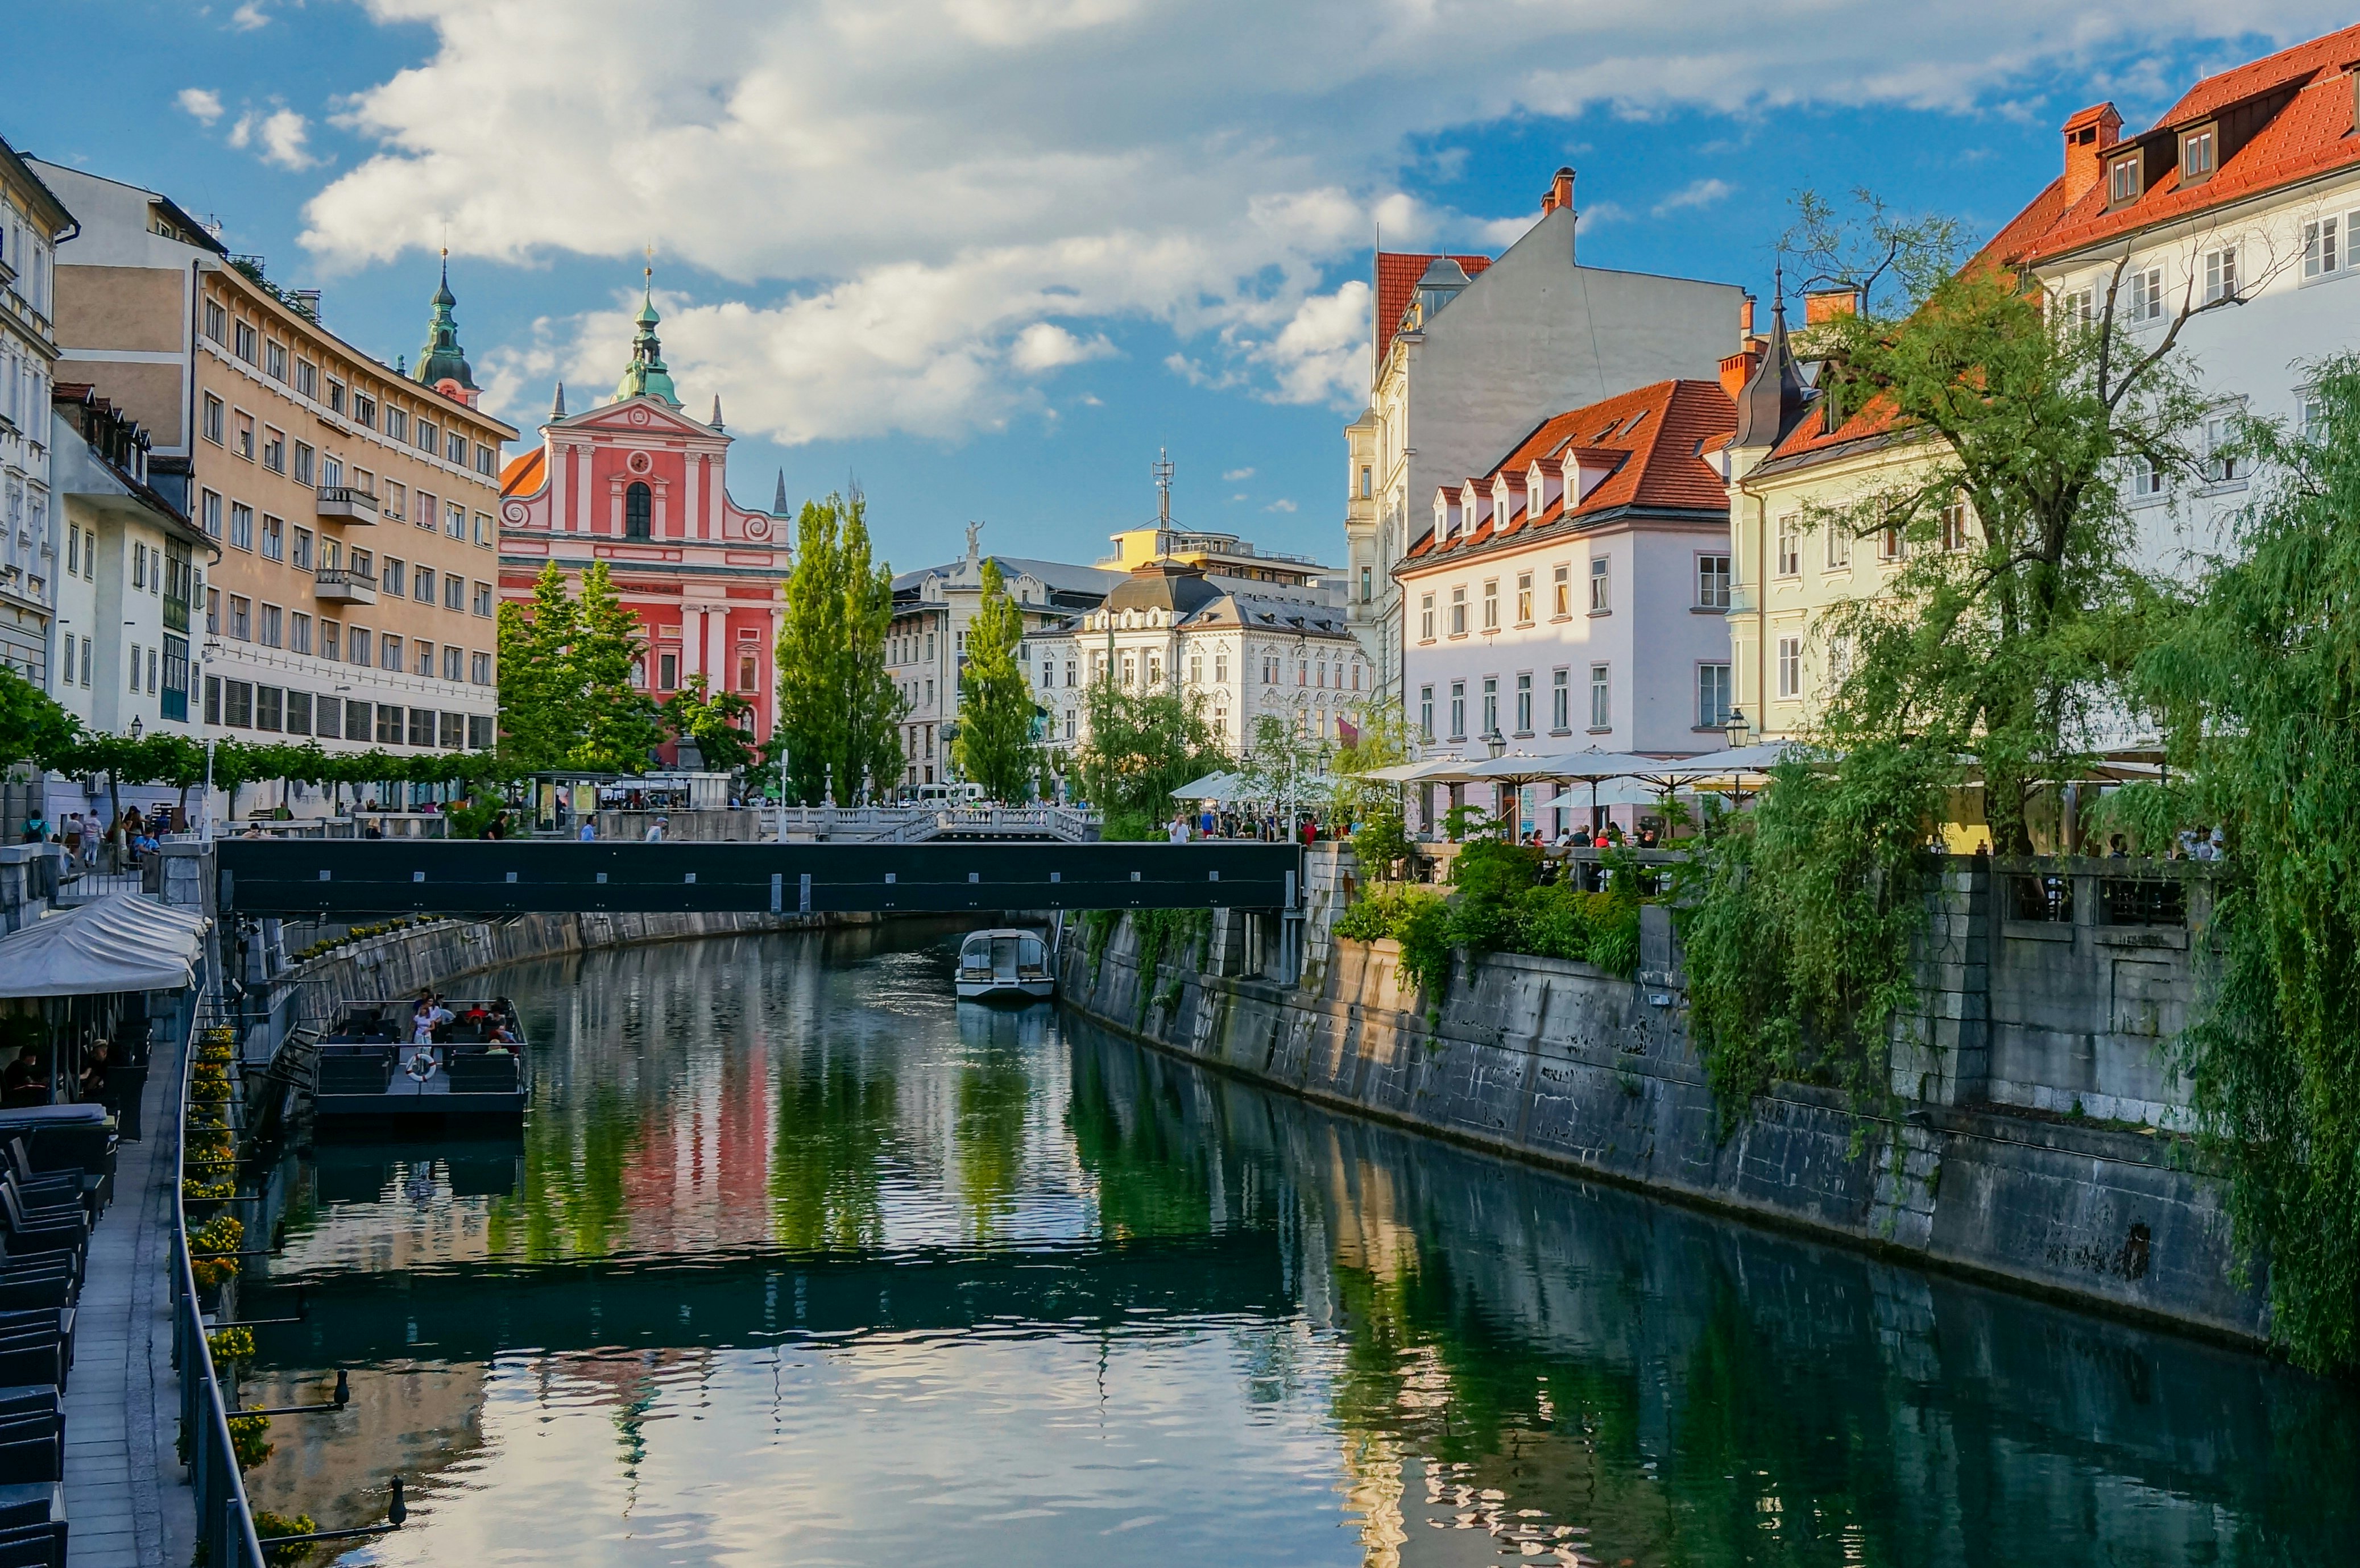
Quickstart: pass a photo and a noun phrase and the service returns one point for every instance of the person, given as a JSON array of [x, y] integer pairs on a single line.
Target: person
[[35, 830], [93, 1071], [1177, 830], [656, 830], [23, 1075], [73, 837], [2116, 849], [588, 831]]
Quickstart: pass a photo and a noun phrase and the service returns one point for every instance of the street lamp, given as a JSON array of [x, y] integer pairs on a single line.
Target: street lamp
[[1496, 744], [135, 729], [1735, 726]]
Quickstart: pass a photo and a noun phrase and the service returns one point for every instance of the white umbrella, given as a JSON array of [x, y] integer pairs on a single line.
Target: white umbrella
[[1621, 792], [1211, 787], [1432, 767]]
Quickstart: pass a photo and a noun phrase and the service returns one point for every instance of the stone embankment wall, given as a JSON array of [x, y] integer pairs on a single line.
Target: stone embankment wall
[[1566, 1064]]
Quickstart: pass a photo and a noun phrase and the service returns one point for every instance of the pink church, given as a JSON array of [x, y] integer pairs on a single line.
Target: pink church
[[641, 485]]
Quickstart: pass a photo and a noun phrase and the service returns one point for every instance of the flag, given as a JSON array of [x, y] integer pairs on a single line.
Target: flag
[[1345, 732]]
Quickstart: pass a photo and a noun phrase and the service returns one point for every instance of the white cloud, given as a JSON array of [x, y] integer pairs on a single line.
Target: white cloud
[[278, 135], [203, 102], [907, 198], [1234, 474], [1279, 506], [1696, 194], [1239, 496], [250, 15]]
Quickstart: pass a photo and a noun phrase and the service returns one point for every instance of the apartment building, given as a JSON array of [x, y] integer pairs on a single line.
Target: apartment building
[[31, 220], [352, 503]]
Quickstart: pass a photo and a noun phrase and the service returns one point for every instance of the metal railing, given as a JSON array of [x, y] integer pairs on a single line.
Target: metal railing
[[917, 823]]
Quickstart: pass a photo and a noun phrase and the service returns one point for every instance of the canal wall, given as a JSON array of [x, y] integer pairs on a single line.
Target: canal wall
[[1560, 1063]]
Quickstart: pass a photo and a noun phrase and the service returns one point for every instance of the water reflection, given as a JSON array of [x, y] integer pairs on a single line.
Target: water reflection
[[799, 1260]]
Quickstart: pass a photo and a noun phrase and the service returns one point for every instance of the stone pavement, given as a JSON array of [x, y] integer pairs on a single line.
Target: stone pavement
[[128, 1505]]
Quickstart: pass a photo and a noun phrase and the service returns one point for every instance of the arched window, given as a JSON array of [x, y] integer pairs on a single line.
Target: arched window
[[638, 512]]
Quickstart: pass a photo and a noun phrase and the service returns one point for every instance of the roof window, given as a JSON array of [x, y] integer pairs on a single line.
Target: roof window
[[2200, 155], [2122, 181]]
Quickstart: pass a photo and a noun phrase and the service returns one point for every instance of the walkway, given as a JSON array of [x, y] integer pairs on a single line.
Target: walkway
[[126, 1504]]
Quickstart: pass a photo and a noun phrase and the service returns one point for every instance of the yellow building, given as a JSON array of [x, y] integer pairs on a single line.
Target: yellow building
[[1222, 556]]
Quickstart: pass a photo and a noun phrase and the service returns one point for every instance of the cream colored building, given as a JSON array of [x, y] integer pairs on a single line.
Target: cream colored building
[[32, 219], [353, 506]]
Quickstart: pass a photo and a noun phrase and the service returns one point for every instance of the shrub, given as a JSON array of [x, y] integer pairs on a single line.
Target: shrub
[[269, 1525]]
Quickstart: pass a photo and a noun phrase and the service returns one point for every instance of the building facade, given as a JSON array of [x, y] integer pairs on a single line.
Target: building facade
[[352, 505], [1573, 594], [1469, 355], [637, 482], [32, 220]]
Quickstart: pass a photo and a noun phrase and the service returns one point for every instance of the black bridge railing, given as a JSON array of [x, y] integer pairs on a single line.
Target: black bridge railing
[[344, 876]]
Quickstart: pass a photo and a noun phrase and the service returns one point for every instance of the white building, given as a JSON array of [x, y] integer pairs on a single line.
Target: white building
[[1573, 594], [31, 220], [1468, 354]]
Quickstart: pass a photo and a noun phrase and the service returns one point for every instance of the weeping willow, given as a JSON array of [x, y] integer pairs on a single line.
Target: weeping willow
[[2262, 676]]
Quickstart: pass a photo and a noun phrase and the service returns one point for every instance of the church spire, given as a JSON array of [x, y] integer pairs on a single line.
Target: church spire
[[646, 376], [442, 359], [1772, 399], [779, 501], [716, 421], [557, 404]]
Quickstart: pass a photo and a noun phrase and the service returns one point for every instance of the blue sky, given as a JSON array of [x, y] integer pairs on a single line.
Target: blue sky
[[989, 255]]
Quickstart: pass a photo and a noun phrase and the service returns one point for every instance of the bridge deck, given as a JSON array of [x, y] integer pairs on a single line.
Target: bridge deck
[[346, 877]]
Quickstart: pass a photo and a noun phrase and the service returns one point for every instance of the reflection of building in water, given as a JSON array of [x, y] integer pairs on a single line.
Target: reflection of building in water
[[420, 1423], [416, 1220]]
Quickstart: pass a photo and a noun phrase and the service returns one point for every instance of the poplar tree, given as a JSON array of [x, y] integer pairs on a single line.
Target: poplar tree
[[540, 696], [839, 712], [618, 723], [994, 746]]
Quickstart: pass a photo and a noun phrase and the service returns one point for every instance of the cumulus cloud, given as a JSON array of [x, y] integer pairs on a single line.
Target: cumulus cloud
[[1281, 504], [919, 208], [203, 102], [277, 135], [250, 15], [1696, 194], [1234, 474]]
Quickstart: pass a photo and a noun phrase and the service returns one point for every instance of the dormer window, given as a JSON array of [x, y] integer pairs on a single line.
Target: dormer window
[[2122, 180], [2200, 155]]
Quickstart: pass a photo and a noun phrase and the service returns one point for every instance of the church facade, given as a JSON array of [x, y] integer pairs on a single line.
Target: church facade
[[643, 486]]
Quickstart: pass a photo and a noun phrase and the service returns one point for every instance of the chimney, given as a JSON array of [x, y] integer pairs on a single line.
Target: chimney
[[1559, 193], [1738, 369], [1745, 319], [1826, 304], [2088, 136]]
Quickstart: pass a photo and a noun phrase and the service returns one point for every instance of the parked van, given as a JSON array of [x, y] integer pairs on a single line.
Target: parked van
[[947, 797]]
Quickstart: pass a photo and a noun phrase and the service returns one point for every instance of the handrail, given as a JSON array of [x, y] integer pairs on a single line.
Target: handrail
[[225, 1517]]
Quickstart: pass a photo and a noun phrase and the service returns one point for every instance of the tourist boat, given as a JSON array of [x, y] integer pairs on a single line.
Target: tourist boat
[[368, 1066], [1004, 964]]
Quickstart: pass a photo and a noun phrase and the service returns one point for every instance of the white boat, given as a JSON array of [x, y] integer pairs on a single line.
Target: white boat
[[1004, 964]]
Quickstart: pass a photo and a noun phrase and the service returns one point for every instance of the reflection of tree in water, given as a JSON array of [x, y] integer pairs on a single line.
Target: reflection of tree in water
[[993, 1095], [1149, 1164], [570, 1203], [835, 1122]]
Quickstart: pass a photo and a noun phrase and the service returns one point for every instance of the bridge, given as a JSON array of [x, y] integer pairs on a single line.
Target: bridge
[[339, 878], [917, 824]]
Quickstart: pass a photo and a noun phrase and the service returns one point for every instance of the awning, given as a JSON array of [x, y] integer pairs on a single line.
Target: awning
[[1211, 787], [121, 943], [1433, 770]]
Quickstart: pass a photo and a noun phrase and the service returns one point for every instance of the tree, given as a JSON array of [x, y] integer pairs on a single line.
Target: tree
[[839, 712], [617, 724], [1142, 746], [995, 746], [714, 721], [540, 704], [33, 727], [1283, 764]]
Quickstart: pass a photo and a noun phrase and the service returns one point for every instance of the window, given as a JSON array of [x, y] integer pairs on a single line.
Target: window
[[2146, 479], [427, 507], [214, 411], [269, 626], [2144, 295], [421, 657], [638, 511], [396, 500], [237, 704], [331, 640], [1490, 703], [454, 591], [245, 342], [1425, 712], [1459, 710], [216, 322], [365, 411], [85, 670], [428, 434], [357, 646], [395, 578], [1459, 611], [1889, 545], [748, 669], [274, 539], [423, 579], [1600, 586], [1790, 545], [2198, 155], [1491, 604], [389, 725], [1196, 669], [299, 633], [454, 447], [479, 668], [667, 671], [451, 657], [421, 726], [1561, 701], [1367, 483], [135, 668], [138, 564], [487, 458], [298, 712], [1712, 696], [2077, 307], [1368, 584], [2310, 416], [396, 423], [1953, 525], [2123, 180], [1524, 598], [2224, 464], [244, 430], [389, 652], [1601, 697], [2220, 274], [1790, 667], [1426, 617], [330, 719], [483, 530], [213, 613], [454, 520], [454, 731], [336, 396], [303, 462], [302, 560], [306, 378], [1712, 581], [274, 360], [241, 526], [270, 704], [274, 449], [1524, 704]]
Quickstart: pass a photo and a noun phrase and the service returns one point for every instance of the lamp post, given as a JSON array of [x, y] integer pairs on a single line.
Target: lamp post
[[1736, 727], [137, 728]]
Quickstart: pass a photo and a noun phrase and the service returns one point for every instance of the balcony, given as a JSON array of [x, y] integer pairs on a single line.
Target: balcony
[[343, 585], [346, 504]]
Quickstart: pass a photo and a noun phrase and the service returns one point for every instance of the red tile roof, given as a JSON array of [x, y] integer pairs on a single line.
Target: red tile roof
[[1658, 460], [2312, 135], [524, 473], [1397, 275]]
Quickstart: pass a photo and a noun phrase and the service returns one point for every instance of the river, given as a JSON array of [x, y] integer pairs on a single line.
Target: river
[[799, 1261]]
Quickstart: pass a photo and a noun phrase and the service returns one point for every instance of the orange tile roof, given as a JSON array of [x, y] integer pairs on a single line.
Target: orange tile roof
[[1397, 275], [524, 473], [1658, 461], [2310, 134]]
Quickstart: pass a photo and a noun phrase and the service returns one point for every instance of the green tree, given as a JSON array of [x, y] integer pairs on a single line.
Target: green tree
[[715, 721], [33, 727], [619, 727], [541, 695], [995, 746], [839, 711], [1142, 745]]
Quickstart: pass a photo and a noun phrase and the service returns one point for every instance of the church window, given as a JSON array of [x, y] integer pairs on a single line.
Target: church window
[[638, 512]]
